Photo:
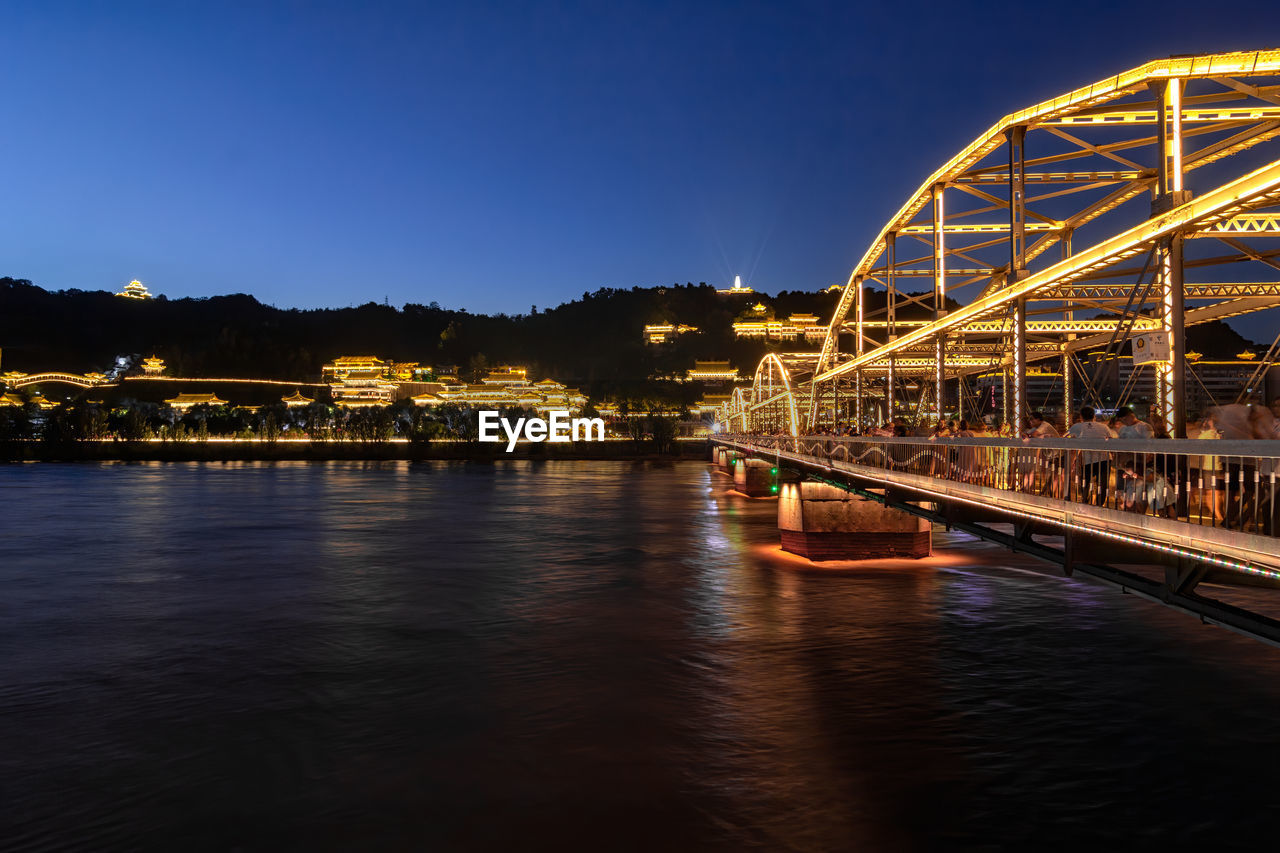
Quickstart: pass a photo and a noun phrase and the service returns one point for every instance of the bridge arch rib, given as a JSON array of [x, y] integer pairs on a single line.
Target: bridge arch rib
[[1036, 243], [44, 378]]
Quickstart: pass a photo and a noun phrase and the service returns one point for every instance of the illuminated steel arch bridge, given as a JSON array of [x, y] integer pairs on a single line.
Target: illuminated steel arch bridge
[[1066, 229], [1110, 217]]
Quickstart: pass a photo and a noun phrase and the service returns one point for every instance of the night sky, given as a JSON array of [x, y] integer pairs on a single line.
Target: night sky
[[492, 156]]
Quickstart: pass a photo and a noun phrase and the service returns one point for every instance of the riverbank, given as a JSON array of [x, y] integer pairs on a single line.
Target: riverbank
[[242, 450]]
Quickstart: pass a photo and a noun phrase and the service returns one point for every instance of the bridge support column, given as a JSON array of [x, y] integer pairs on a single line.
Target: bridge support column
[[823, 522], [725, 459], [755, 478]]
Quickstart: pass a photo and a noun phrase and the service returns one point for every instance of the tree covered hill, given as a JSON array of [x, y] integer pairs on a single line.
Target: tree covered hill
[[594, 342]]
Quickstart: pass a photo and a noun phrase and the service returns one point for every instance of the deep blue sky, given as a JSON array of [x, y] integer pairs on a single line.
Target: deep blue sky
[[497, 155]]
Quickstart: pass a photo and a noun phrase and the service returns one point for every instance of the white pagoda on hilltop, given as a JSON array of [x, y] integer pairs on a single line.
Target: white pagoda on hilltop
[[737, 289], [135, 290]]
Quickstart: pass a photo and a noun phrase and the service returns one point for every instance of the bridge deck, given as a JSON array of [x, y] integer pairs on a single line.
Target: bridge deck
[[1212, 501]]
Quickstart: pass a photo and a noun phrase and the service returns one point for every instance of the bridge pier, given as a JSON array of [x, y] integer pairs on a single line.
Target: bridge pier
[[823, 522], [755, 478], [725, 458]]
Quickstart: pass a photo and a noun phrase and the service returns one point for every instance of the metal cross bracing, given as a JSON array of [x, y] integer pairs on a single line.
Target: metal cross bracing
[[1145, 202]]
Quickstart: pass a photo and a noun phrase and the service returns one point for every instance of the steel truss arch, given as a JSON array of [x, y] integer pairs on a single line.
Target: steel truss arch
[[1067, 173]]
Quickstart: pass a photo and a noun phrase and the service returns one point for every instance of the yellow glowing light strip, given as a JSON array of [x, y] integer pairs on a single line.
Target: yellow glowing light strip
[[242, 381], [1152, 117], [1175, 141], [1213, 204], [976, 228], [1001, 179]]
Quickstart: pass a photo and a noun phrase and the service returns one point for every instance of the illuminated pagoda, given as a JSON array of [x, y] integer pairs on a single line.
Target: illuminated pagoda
[[738, 289], [11, 400], [182, 402], [296, 399], [152, 366], [135, 290]]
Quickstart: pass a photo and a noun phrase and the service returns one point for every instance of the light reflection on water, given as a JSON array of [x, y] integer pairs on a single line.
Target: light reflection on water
[[597, 654]]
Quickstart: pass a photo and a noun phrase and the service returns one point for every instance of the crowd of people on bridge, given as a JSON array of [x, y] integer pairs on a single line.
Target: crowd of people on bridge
[[1239, 490]]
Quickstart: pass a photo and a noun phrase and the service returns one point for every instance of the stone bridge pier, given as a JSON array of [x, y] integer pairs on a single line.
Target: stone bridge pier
[[823, 522], [755, 478]]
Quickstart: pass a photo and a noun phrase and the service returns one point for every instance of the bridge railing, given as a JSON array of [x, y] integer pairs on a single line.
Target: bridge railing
[[1219, 484]]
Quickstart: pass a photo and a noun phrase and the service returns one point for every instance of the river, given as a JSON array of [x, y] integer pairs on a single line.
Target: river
[[580, 655]]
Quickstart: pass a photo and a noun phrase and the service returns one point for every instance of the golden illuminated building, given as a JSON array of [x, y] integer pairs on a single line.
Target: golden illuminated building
[[506, 375], [11, 400], [798, 326], [709, 403], [182, 402], [135, 290], [712, 371], [738, 289], [339, 368], [152, 366], [296, 399], [662, 333], [506, 387], [363, 387]]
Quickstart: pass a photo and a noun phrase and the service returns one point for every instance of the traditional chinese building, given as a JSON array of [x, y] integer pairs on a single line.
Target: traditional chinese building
[[662, 333], [182, 402], [135, 290], [760, 323], [152, 366], [507, 387], [738, 289], [712, 371], [363, 387], [339, 368], [296, 399]]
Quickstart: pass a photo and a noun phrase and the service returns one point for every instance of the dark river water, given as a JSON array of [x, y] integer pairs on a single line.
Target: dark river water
[[587, 655]]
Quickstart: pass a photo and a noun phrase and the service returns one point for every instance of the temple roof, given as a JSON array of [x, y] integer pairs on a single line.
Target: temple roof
[[196, 400]]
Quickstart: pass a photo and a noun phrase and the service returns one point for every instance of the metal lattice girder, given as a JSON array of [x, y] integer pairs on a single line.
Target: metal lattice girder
[[1099, 291], [1236, 114], [1260, 188], [1034, 327], [1049, 327], [1254, 224], [928, 273]]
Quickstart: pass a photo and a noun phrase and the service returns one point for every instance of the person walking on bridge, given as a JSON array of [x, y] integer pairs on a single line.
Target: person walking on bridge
[[1094, 467], [1130, 427]]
